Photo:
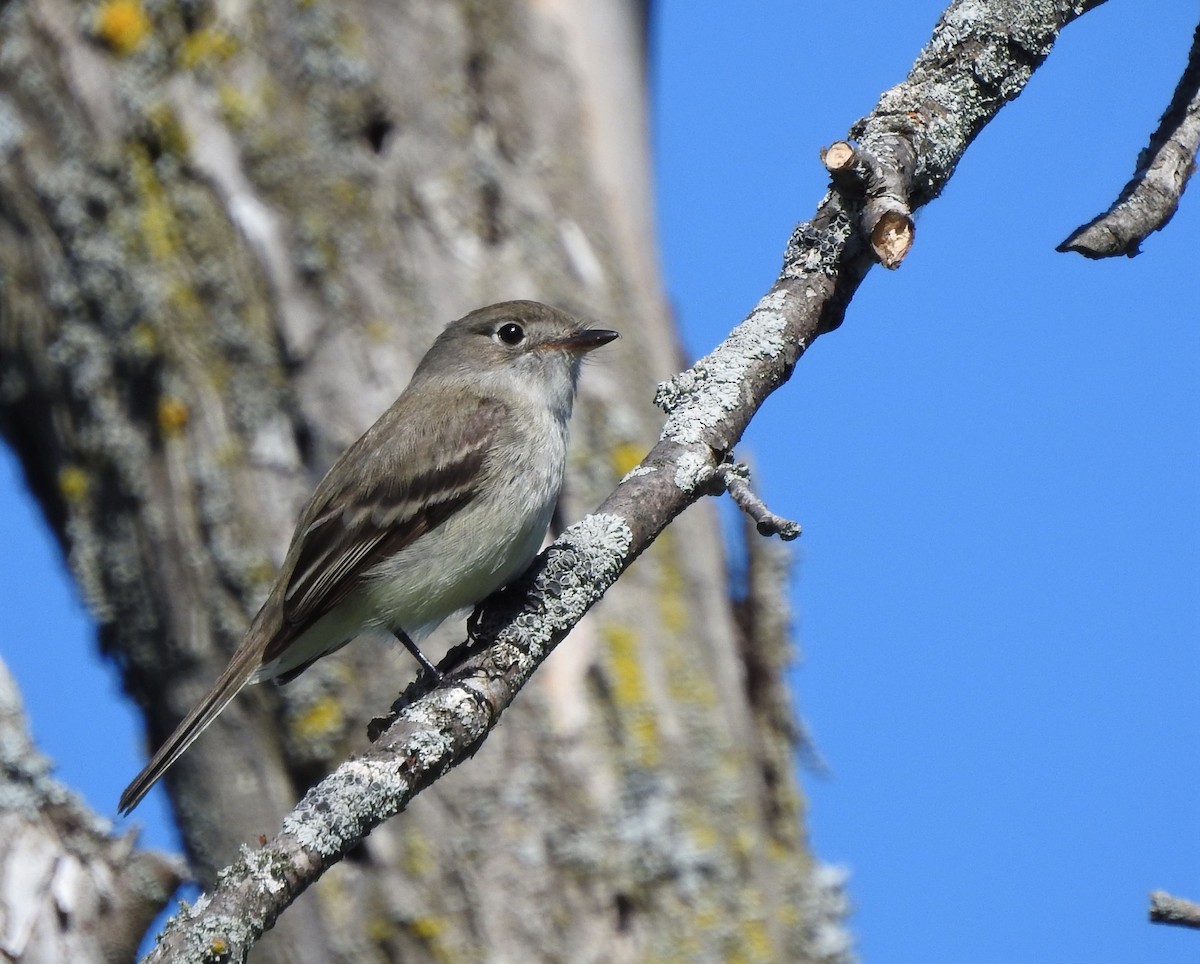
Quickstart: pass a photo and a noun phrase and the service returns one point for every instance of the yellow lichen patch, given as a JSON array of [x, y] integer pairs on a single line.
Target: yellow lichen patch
[[144, 338], [160, 230], [351, 37], [418, 858], [168, 131], [631, 695], [320, 719], [789, 915], [172, 417], [685, 682], [781, 852], [380, 929], [218, 945], [704, 835], [260, 573], [685, 948], [625, 456], [708, 917], [206, 46], [73, 483], [184, 302], [753, 939], [426, 928], [673, 611], [432, 930], [229, 454], [378, 330], [236, 107], [121, 25], [744, 841], [346, 191]]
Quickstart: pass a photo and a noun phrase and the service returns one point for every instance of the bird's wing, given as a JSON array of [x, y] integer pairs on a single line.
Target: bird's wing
[[352, 530]]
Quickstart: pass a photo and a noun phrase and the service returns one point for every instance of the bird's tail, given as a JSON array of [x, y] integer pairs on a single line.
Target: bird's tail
[[237, 674]]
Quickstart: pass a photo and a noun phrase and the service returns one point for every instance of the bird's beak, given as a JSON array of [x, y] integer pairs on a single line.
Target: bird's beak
[[584, 341]]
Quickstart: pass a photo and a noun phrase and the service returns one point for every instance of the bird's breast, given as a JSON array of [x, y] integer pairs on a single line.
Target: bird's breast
[[483, 546]]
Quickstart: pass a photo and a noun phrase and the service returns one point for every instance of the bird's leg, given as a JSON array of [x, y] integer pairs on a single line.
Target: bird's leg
[[420, 657]]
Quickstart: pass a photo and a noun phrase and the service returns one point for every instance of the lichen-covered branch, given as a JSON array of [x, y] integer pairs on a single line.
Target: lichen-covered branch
[[980, 58], [1149, 201]]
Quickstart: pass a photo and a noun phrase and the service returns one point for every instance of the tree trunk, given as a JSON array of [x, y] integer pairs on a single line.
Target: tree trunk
[[69, 889], [227, 232]]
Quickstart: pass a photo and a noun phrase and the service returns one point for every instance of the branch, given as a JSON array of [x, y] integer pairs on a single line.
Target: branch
[[980, 58], [1165, 909], [734, 478], [1149, 201]]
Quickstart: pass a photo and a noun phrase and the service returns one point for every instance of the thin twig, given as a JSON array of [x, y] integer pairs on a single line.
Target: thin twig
[[735, 477]]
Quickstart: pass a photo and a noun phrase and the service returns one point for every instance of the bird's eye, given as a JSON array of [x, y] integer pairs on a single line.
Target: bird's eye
[[511, 333]]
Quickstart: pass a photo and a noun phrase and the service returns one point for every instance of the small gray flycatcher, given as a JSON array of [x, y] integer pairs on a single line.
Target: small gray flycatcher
[[443, 501]]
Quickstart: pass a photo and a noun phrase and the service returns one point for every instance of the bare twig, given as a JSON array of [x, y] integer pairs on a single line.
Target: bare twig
[[1151, 197], [1165, 909], [708, 408], [734, 477]]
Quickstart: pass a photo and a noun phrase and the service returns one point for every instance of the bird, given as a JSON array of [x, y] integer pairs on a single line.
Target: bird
[[441, 502]]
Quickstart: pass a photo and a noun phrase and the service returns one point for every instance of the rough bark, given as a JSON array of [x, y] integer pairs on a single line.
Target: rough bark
[[69, 889], [226, 234]]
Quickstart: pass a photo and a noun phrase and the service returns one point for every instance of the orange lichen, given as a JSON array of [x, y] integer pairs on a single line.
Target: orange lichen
[[122, 25]]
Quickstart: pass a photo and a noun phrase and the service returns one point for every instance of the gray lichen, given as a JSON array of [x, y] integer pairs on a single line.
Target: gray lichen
[[701, 398]]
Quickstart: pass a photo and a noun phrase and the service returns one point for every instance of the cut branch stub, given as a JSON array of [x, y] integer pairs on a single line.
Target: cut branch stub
[[885, 177], [892, 237], [841, 161]]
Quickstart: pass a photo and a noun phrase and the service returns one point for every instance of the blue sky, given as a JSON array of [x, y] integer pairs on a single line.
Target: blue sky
[[995, 460]]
